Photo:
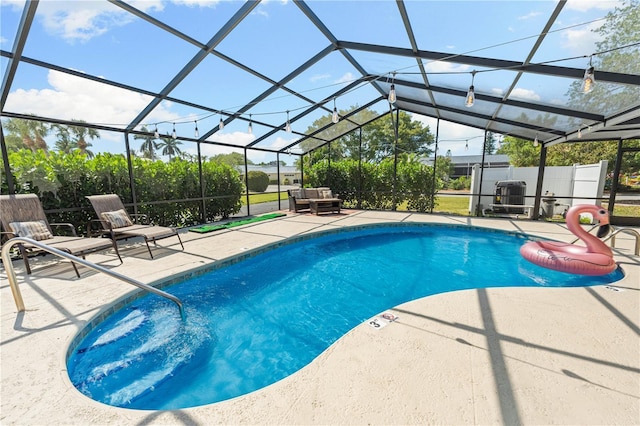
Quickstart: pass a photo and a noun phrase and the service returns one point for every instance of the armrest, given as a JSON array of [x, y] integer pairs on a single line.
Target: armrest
[[68, 225], [105, 227]]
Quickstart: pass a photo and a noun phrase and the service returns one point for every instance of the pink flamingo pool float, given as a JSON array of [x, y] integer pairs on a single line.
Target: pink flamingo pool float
[[595, 258]]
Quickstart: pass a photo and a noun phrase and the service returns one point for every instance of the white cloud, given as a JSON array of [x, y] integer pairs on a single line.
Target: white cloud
[[524, 94], [453, 136], [83, 20], [497, 91], [319, 77], [197, 3], [75, 98], [442, 66], [346, 78], [581, 40], [528, 16]]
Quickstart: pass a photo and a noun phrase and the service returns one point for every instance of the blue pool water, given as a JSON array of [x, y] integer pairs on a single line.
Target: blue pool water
[[259, 320]]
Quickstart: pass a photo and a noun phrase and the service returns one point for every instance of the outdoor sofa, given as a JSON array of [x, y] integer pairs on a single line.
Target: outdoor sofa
[[316, 200]]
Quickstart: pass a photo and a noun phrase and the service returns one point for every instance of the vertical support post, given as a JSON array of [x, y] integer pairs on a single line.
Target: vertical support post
[[5, 161], [541, 167], [359, 195], [614, 179], [328, 177], [278, 174], [302, 170], [246, 181], [132, 184], [435, 166], [203, 209], [484, 151], [395, 159]]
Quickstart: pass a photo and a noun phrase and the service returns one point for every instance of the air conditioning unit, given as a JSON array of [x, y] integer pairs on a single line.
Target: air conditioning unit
[[508, 195]]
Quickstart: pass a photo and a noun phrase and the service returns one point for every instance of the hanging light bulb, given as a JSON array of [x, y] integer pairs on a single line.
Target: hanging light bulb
[[579, 133], [471, 96], [156, 134], [589, 79], [335, 118], [196, 133], [287, 128], [221, 125], [250, 129], [466, 145], [535, 141], [392, 92], [173, 134]]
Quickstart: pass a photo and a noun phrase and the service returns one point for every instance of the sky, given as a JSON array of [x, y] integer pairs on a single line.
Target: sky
[[100, 39]]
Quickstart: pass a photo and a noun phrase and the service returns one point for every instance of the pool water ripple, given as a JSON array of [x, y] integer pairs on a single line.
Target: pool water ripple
[[257, 321]]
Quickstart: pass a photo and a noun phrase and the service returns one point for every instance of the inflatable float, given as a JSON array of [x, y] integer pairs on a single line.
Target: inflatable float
[[595, 258]]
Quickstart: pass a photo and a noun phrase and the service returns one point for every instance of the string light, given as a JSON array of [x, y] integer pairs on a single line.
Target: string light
[[173, 134], [221, 125], [471, 96], [335, 118], [466, 145], [392, 92], [589, 79], [535, 141], [156, 134], [579, 133], [287, 128], [250, 129]]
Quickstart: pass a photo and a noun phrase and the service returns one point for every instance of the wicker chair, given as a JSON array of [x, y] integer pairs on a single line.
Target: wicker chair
[[22, 215], [117, 223]]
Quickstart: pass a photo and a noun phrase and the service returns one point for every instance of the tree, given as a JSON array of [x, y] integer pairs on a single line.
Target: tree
[[232, 159], [521, 152], [169, 146], [31, 132], [621, 28], [149, 144], [490, 144], [79, 135], [74, 137], [377, 138]]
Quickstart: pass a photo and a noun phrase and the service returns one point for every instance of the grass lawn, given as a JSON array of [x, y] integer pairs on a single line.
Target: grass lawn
[[264, 198], [450, 204]]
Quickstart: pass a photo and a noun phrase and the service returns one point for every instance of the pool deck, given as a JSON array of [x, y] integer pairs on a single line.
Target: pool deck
[[489, 356]]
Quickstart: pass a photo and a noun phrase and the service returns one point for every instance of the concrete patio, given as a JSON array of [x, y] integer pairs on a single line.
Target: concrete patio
[[487, 356]]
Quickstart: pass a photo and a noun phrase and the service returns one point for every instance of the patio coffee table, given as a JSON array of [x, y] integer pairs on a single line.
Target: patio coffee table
[[318, 205]]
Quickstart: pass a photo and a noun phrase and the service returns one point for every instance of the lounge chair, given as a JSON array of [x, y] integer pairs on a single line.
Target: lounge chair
[[22, 215], [117, 223]]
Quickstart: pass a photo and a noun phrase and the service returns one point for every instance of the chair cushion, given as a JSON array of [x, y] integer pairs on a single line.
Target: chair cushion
[[118, 218], [326, 193], [36, 230]]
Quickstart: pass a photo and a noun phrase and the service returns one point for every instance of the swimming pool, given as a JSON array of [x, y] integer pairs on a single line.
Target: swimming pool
[[261, 319]]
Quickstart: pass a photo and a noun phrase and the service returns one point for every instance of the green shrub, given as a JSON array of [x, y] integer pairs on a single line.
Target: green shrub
[[463, 182], [62, 181], [258, 181]]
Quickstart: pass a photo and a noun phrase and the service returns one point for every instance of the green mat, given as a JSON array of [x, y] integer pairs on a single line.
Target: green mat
[[210, 228]]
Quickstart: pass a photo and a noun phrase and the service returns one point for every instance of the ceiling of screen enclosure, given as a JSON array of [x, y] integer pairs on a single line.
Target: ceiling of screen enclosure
[[188, 64]]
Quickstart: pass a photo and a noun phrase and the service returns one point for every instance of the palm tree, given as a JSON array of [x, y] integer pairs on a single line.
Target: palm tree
[[80, 135], [31, 132], [149, 144], [64, 142], [169, 146]]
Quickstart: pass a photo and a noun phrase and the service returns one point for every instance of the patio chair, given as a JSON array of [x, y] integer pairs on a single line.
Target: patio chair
[[117, 223], [22, 215]]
